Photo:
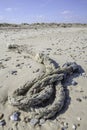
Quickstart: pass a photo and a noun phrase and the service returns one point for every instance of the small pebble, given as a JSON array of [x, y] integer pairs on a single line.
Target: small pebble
[[26, 119], [10, 128], [15, 116], [78, 118], [78, 99], [18, 65], [37, 70], [1, 115], [65, 124], [83, 74], [74, 127], [74, 83], [2, 123], [33, 121], [84, 97], [14, 72], [78, 125], [42, 121]]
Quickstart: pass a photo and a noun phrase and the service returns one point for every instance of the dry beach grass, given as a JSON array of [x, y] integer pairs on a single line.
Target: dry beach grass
[[63, 43]]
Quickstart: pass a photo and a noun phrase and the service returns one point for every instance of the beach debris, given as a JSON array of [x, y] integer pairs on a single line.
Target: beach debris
[[44, 96], [74, 127], [2, 122], [1, 115], [74, 83], [14, 116], [34, 121]]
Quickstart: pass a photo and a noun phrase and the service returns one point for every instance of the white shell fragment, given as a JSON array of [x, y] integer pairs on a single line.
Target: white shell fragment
[[14, 117]]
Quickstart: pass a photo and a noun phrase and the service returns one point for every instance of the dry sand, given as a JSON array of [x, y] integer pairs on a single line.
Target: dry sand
[[61, 44]]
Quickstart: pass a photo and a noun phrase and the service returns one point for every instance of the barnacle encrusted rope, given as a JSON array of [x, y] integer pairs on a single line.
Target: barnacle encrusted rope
[[45, 96]]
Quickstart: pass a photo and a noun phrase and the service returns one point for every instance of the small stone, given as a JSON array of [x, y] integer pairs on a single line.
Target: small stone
[[65, 124], [10, 128], [33, 121], [74, 83], [15, 116], [14, 72], [63, 128], [37, 70], [78, 99], [1, 115], [42, 121], [26, 119], [78, 118], [18, 65], [2, 122], [85, 97], [78, 125], [83, 74], [74, 127], [7, 59]]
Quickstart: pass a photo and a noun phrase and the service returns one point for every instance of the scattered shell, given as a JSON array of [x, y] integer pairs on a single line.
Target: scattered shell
[[1, 115], [74, 127], [42, 121], [33, 121], [2, 123], [15, 116]]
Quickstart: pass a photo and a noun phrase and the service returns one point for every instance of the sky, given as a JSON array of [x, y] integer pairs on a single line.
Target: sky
[[33, 11]]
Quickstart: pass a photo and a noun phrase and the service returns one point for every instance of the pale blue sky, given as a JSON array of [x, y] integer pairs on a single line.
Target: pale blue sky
[[19, 11]]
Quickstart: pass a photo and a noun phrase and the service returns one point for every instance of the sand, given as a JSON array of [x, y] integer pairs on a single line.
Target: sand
[[61, 44]]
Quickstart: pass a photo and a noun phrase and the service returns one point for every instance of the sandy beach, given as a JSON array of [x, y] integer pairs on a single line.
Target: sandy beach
[[62, 44]]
